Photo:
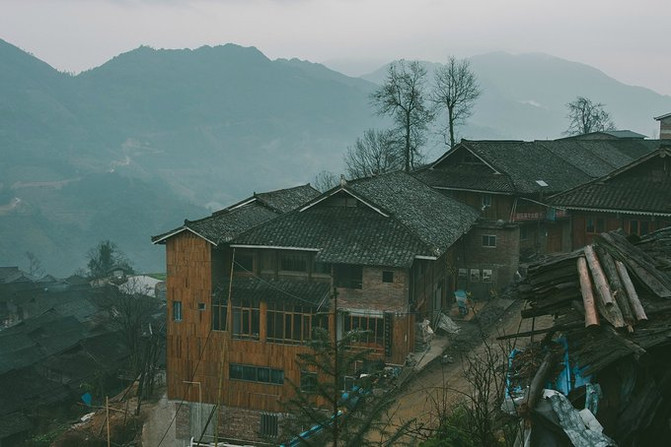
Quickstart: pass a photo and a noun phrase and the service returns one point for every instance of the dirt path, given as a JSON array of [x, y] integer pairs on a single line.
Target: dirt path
[[419, 397]]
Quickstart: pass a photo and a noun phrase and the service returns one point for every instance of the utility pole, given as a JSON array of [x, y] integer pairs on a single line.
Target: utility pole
[[336, 372]]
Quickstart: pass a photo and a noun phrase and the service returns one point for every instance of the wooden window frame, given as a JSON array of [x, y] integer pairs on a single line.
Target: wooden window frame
[[489, 240], [371, 325], [255, 374], [245, 319], [177, 311], [288, 324]]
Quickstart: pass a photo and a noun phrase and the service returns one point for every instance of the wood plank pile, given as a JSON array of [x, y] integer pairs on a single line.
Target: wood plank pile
[[611, 299]]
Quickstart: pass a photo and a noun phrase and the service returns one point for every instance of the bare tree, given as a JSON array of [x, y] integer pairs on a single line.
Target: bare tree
[[105, 257], [325, 180], [376, 152], [403, 98], [586, 116], [34, 265], [455, 90]]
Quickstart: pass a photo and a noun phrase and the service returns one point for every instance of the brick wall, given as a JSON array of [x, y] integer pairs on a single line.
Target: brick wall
[[376, 294], [502, 259], [235, 424]]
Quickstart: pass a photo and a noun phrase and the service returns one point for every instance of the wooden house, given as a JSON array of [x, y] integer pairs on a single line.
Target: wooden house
[[242, 307], [510, 182], [635, 198]]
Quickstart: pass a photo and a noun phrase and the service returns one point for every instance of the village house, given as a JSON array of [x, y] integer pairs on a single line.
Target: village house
[[510, 182], [635, 198], [242, 307]]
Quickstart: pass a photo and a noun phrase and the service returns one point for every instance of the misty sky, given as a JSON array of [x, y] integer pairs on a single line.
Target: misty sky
[[626, 39]]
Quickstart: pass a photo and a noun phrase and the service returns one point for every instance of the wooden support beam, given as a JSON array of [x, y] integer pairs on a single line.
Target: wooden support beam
[[591, 315], [619, 292], [632, 295], [599, 276]]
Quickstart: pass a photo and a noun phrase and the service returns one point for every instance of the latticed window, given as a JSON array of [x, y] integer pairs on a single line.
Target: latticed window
[[250, 373], [293, 262], [287, 323], [372, 328], [245, 319]]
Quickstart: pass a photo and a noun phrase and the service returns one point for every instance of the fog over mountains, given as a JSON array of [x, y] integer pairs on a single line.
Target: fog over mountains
[[131, 148]]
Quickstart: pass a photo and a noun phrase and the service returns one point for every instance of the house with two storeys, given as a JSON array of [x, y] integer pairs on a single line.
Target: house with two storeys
[[635, 198], [383, 249], [509, 182]]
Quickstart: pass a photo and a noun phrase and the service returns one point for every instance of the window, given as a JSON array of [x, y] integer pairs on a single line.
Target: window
[[486, 275], [387, 276], [261, 374], [594, 225], [486, 201], [645, 228], [349, 276], [475, 275], [293, 262], [639, 227], [488, 240], [308, 381], [372, 328], [176, 311], [245, 319], [269, 425], [589, 225], [244, 263], [286, 323], [219, 314], [600, 224], [202, 306]]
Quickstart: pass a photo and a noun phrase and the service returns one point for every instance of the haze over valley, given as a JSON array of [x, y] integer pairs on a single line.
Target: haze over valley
[[130, 148]]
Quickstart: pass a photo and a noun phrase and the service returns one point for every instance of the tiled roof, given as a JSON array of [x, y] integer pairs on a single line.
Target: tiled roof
[[285, 200], [37, 338], [561, 164], [630, 189], [418, 221], [225, 224], [312, 294], [438, 221]]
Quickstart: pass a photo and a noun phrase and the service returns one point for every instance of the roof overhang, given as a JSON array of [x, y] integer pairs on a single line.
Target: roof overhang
[[482, 191], [275, 247], [619, 211], [181, 230]]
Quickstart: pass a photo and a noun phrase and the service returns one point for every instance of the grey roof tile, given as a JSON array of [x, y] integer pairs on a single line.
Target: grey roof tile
[[419, 221], [561, 164], [225, 224]]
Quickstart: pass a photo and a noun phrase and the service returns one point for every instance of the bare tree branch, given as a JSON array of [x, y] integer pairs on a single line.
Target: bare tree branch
[[586, 116], [455, 90], [403, 98]]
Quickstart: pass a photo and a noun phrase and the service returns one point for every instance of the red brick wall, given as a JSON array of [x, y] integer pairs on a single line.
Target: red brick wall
[[502, 260], [375, 294]]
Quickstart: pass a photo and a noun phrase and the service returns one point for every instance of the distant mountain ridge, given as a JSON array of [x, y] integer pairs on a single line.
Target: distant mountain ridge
[[131, 148], [165, 131], [524, 97]]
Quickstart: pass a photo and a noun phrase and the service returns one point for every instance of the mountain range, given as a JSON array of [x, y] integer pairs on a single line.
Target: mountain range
[[131, 148]]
